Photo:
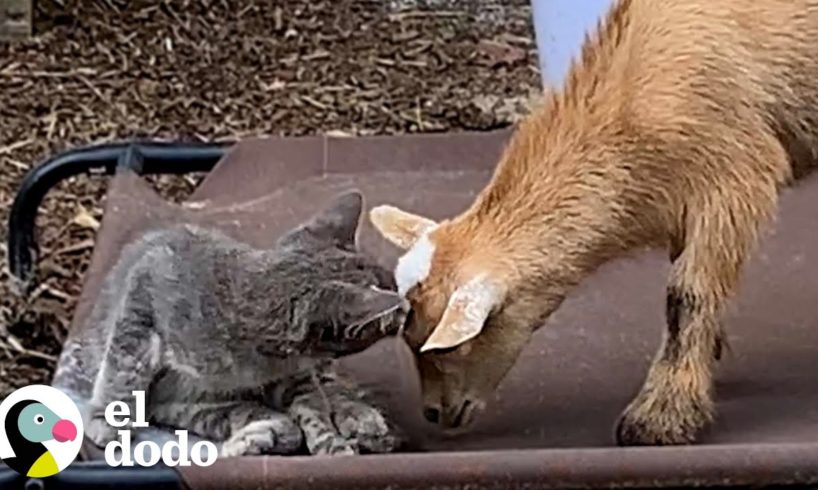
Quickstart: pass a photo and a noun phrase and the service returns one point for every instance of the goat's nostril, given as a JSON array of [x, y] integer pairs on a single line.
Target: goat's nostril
[[432, 415], [462, 414]]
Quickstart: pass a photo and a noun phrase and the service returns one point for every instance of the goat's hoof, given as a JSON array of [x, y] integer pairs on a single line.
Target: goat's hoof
[[640, 425]]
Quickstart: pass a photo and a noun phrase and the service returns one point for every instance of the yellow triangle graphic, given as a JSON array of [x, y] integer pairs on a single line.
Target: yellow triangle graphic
[[45, 466]]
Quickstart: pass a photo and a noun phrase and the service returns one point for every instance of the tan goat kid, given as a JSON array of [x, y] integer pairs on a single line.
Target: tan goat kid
[[677, 127]]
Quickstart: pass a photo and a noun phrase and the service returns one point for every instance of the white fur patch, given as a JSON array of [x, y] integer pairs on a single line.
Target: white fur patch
[[413, 267]]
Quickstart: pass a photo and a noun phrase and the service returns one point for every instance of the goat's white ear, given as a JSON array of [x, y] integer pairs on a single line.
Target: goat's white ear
[[399, 227], [466, 314]]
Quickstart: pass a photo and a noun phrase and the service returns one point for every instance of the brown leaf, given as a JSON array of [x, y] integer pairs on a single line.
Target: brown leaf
[[85, 219]]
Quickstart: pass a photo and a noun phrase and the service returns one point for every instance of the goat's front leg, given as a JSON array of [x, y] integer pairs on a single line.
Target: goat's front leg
[[675, 402]]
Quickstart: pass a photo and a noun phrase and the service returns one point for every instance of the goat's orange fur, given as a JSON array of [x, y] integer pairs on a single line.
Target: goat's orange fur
[[676, 127]]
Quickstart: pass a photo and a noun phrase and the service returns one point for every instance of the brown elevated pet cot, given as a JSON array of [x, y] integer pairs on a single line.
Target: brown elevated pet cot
[[551, 423]]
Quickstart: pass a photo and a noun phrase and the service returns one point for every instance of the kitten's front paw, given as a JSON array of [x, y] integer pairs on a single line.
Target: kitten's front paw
[[98, 431], [367, 426], [335, 447], [263, 437]]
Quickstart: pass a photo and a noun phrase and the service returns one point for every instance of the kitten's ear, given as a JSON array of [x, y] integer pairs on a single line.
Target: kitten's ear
[[337, 223]]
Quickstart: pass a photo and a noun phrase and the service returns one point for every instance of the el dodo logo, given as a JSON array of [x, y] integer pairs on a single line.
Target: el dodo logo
[[40, 431]]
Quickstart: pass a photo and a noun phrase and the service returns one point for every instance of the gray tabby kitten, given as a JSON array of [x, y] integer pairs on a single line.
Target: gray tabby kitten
[[236, 344]]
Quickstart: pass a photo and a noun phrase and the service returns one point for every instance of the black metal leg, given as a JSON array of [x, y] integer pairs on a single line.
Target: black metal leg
[[142, 157], [97, 476]]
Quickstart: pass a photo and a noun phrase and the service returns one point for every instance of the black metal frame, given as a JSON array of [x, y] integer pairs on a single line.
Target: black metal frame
[[96, 476], [143, 157]]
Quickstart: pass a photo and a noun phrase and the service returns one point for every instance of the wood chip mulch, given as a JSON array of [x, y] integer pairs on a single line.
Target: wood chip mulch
[[204, 70]]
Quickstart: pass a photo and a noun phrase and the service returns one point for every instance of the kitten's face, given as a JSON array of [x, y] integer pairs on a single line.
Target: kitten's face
[[344, 300]]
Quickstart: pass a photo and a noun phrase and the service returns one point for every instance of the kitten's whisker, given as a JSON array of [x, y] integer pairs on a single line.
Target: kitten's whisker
[[405, 308], [380, 316], [354, 330]]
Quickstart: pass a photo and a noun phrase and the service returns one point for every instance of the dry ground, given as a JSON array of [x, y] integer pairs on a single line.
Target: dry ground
[[102, 70]]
